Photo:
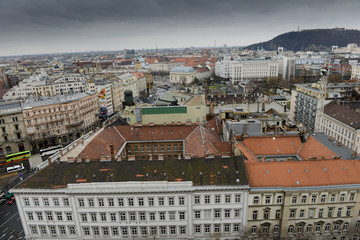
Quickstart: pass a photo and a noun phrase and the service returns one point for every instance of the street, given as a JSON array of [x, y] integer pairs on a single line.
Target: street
[[10, 223]]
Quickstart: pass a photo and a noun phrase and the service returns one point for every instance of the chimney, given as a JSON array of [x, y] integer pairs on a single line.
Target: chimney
[[112, 153]]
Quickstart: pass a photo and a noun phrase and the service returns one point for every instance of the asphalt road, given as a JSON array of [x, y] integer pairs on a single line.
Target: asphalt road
[[10, 223]]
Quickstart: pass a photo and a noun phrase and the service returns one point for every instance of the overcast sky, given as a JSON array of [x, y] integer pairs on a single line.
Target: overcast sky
[[47, 26]]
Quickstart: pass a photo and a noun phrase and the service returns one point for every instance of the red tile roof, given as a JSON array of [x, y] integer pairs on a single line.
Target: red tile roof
[[312, 148], [303, 173], [199, 141], [139, 75], [272, 145]]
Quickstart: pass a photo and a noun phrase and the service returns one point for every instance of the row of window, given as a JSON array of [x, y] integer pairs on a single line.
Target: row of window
[[133, 216], [55, 201], [324, 198], [217, 199], [169, 147], [301, 228], [52, 230], [311, 213], [49, 216]]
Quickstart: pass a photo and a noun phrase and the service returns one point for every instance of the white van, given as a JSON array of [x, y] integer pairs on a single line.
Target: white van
[[15, 168]]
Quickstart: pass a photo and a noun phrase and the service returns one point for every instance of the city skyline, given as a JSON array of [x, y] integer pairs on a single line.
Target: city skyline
[[38, 27]]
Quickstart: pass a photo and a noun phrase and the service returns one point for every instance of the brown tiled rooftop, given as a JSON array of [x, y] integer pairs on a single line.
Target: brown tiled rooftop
[[303, 173], [344, 113], [201, 171]]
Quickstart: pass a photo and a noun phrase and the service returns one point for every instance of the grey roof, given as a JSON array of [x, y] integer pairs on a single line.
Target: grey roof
[[183, 69], [30, 102], [340, 150], [9, 107]]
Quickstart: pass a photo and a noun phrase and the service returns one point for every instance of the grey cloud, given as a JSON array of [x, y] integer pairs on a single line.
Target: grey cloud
[[40, 23]]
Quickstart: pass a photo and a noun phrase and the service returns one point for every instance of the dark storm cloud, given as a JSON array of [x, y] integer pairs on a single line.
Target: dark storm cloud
[[88, 23]]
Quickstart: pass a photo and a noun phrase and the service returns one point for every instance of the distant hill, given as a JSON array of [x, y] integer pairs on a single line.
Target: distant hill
[[311, 40]]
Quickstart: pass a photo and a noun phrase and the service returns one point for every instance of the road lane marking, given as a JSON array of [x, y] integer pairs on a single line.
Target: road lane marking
[[18, 219], [7, 214], [9, 219], [5, 229]]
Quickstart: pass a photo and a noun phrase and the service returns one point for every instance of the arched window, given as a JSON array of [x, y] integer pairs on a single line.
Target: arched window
[[291, 229]]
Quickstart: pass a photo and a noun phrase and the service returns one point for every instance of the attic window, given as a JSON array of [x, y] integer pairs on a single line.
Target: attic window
[[267, 171], [289, 170], [325, 169]]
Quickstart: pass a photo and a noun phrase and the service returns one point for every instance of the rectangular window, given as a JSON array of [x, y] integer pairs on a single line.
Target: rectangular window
[[115, 231], [39, 216], [151, 201], [266, 214], [130, 201], [267, 199], [348, 212], [256, 200], [182, 230], [49, 216], [59, 216], [43, 230], [81, 202], [26, 202], [36, 202], [124, 231], [227, 227], [182, 215], [162, 216], [294, 200], [197, 199], [152, 216], [34, 230], [303, 199], [255, 214], [132, 216], [101, 202], [352, 197], [302, 213], [162, 230], [83, 217], [105, 231], [56, 202], [93, 217], [277, 214], [171, 215], [311, 213], [237, 212], [161, 201], [207, 213], [276, 228], [181, 201], [330, 212], [339, 212], [72, 230], [292, 213], [227, 198], [69, 216], [111, 202], [332, 198], [197, 229], [238, 198], [321, 213], [207, 199], [323, 198], [217, 213], [96, 231], [217, 198], [142, 216], [122, 216], [197, 214], [313, 199], [171, 201], [216, 228], [66, 202], [121, 202], [279, 199], [30, 216], [342, 197]]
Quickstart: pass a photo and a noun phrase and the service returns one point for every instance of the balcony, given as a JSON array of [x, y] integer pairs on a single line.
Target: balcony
[[74, 124]]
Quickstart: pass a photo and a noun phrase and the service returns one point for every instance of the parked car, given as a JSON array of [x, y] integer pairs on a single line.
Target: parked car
[[9, 195], [11, 201], [2, 201]]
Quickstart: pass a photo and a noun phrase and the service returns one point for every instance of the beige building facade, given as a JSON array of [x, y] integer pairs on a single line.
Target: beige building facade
[[60, 119], [13, 133]]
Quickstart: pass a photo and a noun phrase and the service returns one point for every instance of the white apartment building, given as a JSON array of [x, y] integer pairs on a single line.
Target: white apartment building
[[239, 70], [26, 87], [355, 71], [41, 86], [341, 123], [130, 82], [173, 209]]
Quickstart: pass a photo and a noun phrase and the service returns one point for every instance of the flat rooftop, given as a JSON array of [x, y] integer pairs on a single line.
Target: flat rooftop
[[201, 171]]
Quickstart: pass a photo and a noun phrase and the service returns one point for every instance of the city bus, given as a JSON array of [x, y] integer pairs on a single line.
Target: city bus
[[50, 151], [18, 156]]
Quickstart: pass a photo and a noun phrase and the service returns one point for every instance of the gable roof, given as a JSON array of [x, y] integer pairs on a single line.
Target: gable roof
[[344, 113]]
